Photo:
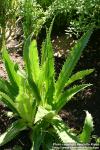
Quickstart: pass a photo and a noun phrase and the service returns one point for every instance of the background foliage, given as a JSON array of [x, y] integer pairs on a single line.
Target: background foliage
[[74, 16]]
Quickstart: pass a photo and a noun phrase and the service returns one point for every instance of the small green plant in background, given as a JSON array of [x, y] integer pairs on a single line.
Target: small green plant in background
[[32, 17], [36, 98], [8, 12]]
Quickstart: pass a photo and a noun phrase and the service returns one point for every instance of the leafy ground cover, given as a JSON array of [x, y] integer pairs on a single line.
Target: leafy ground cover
[[73, 112]]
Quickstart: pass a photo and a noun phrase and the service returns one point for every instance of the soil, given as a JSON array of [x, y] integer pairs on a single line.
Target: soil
[[73, 113]]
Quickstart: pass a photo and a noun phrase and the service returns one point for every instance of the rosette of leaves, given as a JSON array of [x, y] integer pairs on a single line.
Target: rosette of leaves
[[36, 98]]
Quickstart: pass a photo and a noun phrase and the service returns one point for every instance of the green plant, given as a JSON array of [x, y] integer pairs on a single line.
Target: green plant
[[36, 98], [87, 14], [8, 10], [78, 15], [32, 17]]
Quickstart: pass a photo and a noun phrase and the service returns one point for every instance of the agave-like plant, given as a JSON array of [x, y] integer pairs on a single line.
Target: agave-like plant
[[36, 98]]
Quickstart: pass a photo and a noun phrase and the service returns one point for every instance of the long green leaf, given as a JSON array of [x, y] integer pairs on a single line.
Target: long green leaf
[[87, 129], [47, 55], [26, 56], [31, 58], [50, 93], [12, 132], [29, 52], [35, 90], [63, 131], [46, 92], [41, 82], [46, 46], [11, 70], [79, 75], [8, 101], [24, 107], [3, 86], [47, 67], [71, 62], [68, 94], [38, 136], [34, 60], [48, 58], [7, 88]]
